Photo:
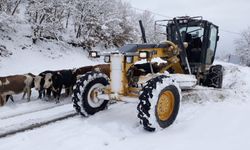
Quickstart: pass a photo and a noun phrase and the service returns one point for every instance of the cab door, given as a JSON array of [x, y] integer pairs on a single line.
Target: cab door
[[212, 44]]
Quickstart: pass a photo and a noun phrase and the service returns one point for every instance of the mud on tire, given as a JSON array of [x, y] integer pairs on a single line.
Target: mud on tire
[[83, 102], [151, 112]]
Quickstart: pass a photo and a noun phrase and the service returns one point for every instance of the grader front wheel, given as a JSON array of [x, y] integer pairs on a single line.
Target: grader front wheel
[[86, 93], [159, 103], [167, 106]]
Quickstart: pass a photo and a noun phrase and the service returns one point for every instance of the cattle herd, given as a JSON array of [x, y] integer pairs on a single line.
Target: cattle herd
[[49, 84]]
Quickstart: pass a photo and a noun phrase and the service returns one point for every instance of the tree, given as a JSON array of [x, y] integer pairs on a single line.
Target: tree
[[243, 46], [87, 23], [46, 18], [147, 19], [9, 6]]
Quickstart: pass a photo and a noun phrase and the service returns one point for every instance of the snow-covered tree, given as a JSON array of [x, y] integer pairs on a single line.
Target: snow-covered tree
[[87, 23], [103, 22], [243, 46], [147, 19], [46, 18], [9, 6], [154, 34], [7, 9], [127, 31]]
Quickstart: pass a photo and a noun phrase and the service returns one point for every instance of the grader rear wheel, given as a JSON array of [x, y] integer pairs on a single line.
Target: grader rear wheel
[[214, 77], [159, 103]]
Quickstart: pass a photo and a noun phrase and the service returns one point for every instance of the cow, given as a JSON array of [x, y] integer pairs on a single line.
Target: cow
[[58, 80], [82, 70], [103, 68], [39, 81], [15, 84]]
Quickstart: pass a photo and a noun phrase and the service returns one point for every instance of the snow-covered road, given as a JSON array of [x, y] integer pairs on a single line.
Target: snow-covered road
[[211, 125]]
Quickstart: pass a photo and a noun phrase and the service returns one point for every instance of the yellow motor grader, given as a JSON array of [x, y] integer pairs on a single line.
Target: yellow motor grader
[[154, 73]]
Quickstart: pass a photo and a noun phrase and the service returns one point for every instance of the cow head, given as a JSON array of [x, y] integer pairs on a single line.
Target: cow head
[[39, 82], [48, 80]]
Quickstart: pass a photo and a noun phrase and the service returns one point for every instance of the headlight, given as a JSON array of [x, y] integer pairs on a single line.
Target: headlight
[[143, 54], [129, 59], [93, 54], [107, 59]]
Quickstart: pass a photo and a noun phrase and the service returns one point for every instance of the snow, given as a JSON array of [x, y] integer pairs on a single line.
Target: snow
[[208, 118]]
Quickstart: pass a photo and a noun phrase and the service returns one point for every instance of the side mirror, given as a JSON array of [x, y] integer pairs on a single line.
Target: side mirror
[[218, 37]]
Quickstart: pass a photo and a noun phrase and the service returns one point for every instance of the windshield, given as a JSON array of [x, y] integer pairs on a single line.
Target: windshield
[[194, 32]]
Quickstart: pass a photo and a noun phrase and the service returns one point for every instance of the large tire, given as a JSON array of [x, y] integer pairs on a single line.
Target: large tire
[[159, 103], [214, 77], [85, 92]]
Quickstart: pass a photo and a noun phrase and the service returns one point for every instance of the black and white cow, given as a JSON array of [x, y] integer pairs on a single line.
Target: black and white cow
[[58, 80], [39, 81]]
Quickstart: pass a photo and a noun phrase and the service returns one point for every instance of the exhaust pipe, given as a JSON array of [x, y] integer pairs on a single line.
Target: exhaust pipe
[[144, 40]]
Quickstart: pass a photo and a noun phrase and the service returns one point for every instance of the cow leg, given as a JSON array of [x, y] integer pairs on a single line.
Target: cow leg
[[44, 93], [9, 97], [70, 90], [54, 94], [40, 94], [1, 100], [28, 94], [24, 93], [58, 94], [48, 93], [67, 90]]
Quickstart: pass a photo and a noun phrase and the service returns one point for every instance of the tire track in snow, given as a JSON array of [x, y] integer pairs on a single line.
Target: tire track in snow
[[33, 111], [36, 125]]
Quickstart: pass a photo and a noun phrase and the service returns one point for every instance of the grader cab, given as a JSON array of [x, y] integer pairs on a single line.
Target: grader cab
[[153, 73]]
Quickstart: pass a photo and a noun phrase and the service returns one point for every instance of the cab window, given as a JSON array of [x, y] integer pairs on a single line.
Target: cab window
[[211, 45]]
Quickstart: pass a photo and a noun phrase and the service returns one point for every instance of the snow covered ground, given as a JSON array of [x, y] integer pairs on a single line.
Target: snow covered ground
[[208, 118]]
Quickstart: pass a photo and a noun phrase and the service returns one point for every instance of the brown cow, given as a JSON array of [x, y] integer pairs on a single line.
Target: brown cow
[[103, 68], [15, 84], [83, 70], [80, 71]]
